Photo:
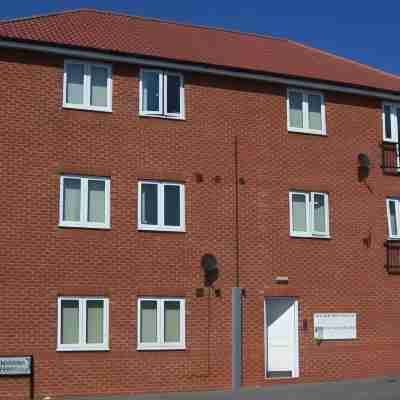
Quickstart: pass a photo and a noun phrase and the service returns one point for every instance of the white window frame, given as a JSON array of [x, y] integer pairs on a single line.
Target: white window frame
[[163, 90], [160, 207], [87, 76], [310, 231], [84, 223], [397, 210], [305, 114], [82, 345], [160, 344], [393, 120]]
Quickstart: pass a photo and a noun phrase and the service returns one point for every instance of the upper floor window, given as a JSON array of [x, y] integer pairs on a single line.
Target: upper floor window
[[87, 86], [161, 206], [161, 324], [391, 120], [82, 323], [393, 216], [306, 112], [309, 214], [161, 94], [84, 201]]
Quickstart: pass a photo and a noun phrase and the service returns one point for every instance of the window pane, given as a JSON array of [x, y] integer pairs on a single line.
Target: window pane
[[398, 122], [392, 216], [173, 94], [75, 74], [148, 321], [388, 125], [299, 212], [314, 112], [172, 205], [172, 318], [149, 204], [70, 322], [151, 91], [94, 321], [72, 199], [98, 96], [319, 213], [295, 109], [96, 201]]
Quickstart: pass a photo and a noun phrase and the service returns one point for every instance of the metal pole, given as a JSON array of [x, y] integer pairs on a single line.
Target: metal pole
[[236, 338]]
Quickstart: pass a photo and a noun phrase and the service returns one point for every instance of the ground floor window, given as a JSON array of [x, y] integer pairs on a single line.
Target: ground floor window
[[161, 324], [82, 323]]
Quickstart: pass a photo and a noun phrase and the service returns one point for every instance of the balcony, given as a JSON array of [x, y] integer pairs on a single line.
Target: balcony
[[390, 158], [392, 256]]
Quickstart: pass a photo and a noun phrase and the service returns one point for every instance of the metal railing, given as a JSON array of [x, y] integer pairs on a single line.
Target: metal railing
[[392, 256], [390, 158]]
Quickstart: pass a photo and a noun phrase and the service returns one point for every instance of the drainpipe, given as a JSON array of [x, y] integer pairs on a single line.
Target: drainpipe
[[236, 361]]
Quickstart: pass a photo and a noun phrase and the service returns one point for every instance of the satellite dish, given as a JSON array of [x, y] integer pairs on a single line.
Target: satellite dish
[[364, 165], [209, 266]]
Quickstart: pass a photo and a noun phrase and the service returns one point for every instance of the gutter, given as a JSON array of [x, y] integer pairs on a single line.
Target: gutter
[[263, 77]]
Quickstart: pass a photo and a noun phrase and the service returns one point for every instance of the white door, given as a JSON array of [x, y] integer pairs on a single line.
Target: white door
[[282, 337]]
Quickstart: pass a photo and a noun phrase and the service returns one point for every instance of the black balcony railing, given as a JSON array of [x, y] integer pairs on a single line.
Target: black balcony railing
[[392, 256], [390, 158]]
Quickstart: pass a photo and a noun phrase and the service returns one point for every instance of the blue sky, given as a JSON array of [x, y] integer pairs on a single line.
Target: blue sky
[[365, 31]]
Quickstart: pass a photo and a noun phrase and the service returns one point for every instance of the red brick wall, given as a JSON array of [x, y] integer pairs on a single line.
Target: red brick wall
[[40, 140]]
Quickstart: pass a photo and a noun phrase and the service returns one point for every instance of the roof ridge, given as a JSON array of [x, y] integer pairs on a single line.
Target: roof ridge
[[50, 14], [140, 17], [345, 59], [187, 24]]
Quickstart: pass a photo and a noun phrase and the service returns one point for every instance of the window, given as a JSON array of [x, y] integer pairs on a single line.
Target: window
[[161, 324], [82, 323], [161, 206], [393, 215], [309, 214], [161, 94], [391, 120], [87, 86], [306, 112], [84, 202]]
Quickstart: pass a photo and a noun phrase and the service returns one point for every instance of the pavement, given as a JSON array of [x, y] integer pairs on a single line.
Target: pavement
[[386, 388]]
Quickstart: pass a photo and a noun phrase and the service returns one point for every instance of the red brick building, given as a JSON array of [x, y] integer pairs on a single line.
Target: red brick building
[[131, 148]]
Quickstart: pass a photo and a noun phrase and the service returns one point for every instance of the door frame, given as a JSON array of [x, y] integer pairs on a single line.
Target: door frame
[[295, 366]]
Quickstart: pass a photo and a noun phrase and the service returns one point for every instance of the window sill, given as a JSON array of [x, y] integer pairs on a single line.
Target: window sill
[[160, 229], [287, 378], [307, 131], [299, 236], [162, 116], [160, 348], [87, 108], [69, 349], [81, 226]]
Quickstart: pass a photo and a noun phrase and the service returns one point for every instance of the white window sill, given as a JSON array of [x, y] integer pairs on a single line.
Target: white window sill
[[83, 348], [161, 228], [308, 236], [87, 108], [160, 348], [83, 226], [271, 378], [307, 131], [394, 238], [163, 116]]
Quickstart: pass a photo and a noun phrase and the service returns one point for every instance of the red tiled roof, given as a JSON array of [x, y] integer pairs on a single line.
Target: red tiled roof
[[108, 31]]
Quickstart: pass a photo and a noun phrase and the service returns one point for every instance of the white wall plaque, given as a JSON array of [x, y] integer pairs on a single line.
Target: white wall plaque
[[335, 326], [15, 365]]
